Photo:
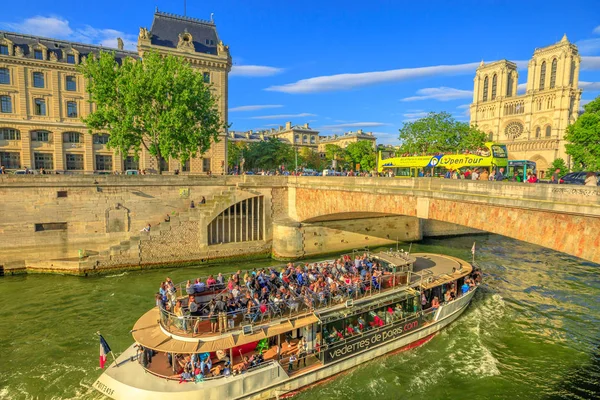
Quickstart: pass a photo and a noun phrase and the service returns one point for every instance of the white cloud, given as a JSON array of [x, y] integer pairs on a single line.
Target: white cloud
[[387, 137], [330, 83], [255, 107], [354, 125], [59, 28], [588, 46], [521, 88], [464, 106], [415, 115], [282, 116], [596, 30], [589, 86], [442, 93], [584, 102], [589, 63], [254, 70]]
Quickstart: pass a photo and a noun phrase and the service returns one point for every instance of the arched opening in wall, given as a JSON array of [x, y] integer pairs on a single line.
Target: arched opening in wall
[[242, 222], [494, 84], [541, 165], [548, 131], [543, 76], [485, 88], [553, 73]]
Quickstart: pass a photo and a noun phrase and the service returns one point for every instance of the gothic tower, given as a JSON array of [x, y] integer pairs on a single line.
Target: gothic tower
[[532, 125]]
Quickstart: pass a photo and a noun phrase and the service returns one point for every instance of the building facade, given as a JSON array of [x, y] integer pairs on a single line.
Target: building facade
[[43, 98], [300, 136], [532, 125], [344, 140]]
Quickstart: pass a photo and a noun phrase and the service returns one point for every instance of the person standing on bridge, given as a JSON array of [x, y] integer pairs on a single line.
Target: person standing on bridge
[[500, 175]]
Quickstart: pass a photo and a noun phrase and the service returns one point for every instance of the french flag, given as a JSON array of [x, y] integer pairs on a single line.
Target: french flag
[[104, 350]]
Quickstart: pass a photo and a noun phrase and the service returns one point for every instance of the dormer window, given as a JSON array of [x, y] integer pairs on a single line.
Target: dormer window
[[38, 54], [3, 49], [70, 58], [209, 42]]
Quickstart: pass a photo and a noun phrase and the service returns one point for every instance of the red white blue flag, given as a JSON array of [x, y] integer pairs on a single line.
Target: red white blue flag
[[473, 248], [104, 350]]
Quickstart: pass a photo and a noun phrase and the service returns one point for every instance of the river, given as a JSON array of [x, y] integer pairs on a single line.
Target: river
[[532, 331]]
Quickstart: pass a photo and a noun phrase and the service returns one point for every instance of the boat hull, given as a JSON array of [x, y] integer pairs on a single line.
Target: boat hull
[[129, 380]]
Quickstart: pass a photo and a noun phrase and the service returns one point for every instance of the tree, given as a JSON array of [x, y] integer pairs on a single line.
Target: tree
[[159, 103], [311, 159], [584, 138], [236, 151], [269, 154], [335, 152], [560, 164], [363, 153], [439, 133]]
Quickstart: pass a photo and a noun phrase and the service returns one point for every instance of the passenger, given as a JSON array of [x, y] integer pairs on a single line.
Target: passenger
[[291, 363], [465, 286], [212, 315], [435, 303]]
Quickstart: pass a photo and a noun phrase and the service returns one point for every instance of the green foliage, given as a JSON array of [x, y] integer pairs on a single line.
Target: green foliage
[[559, 163], [160, 103], [335, 152], [363, 153], [269, 155], [584, 139], [236, 151], [439, 132], [311, 159]]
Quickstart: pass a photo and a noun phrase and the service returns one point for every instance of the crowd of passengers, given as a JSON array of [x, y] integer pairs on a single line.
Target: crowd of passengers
[[265, 292]]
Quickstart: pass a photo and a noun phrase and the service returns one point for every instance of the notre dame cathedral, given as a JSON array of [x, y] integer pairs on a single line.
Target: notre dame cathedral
[[533, 124]]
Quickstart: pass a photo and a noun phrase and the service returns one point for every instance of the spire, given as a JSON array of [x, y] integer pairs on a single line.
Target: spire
[[564, 39], [481, 63]]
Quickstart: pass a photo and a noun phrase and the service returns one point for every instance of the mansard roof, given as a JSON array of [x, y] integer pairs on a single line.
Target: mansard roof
[[166, 29], [60, 47]]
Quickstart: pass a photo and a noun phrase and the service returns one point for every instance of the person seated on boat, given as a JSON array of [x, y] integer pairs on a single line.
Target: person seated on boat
[[472, 282], [186, 375], [465, 286], [210, 282], [212, 315], [447, 296], [435, 303], [398, 312], [220, 280], [189, 287]]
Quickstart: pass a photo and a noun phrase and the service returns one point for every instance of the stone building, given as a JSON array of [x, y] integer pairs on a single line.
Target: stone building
[[297, 135], [43, 97], [344, 140], [532, 125]]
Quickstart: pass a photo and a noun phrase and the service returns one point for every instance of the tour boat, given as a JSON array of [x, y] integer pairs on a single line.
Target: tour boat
[[310, 321]]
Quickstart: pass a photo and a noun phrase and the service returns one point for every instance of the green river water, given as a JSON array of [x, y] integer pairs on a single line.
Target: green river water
[[532, 331]]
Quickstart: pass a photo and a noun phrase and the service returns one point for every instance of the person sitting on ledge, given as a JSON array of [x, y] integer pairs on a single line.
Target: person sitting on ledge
[[146, 228]]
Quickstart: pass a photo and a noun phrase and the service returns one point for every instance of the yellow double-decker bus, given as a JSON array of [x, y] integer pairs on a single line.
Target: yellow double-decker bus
[[492, 157]]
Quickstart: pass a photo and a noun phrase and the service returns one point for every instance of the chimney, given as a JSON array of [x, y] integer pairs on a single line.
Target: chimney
[[360, 131], [306, 125], [120, 43], [288, 125], [280, 127]]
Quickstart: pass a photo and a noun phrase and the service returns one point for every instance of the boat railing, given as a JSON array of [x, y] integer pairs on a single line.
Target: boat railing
[[296, 306], [178, 378]]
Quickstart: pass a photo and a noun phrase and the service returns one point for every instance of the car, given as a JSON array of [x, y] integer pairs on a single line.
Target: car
[[575, 178], [132, 172], [20, 172]]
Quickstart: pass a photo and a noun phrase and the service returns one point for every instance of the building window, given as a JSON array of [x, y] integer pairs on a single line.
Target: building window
[[41, 136], [553, 73], [297, 139], [10, 160], [74, 162], [43, 160], [543, 75], [509, 85], [538, 132], [312, 139], [71, 109], [71, 137], [185, 167], [3, 49], [38, 54], [494, 83], [40, 107], [53, 226], [206, 164], [485, 89], [101, 138], [131, 163], [4, 76], [103, 163], [548, 131], [5, 104], [304, 139], [71, 58], [206, 76], [9, 134], [38, 79], [572, 75], [71, 83]]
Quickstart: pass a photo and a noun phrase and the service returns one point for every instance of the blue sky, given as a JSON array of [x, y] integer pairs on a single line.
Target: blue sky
[[344, 65]]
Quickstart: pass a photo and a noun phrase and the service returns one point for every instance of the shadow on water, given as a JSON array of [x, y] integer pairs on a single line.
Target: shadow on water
[[582, 382]]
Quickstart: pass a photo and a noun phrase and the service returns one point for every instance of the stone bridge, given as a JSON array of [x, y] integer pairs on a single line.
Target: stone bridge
[[79, 224]]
